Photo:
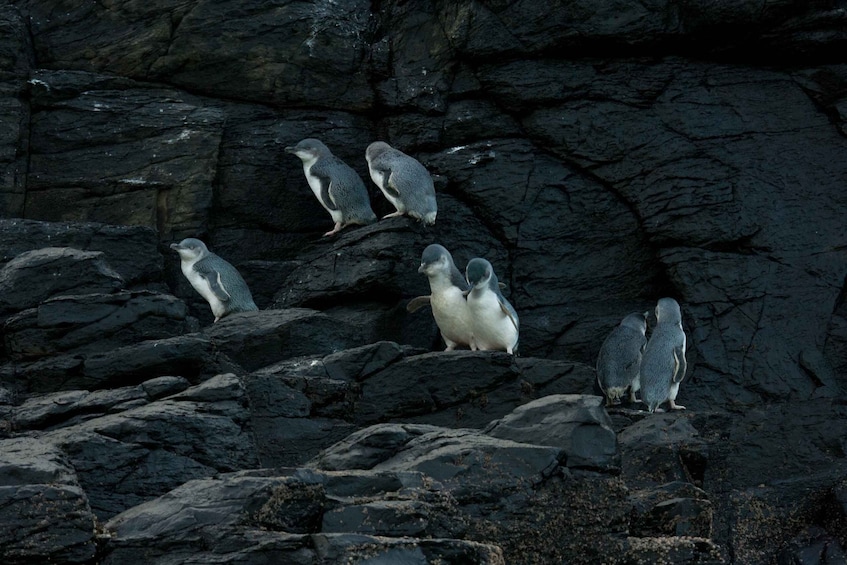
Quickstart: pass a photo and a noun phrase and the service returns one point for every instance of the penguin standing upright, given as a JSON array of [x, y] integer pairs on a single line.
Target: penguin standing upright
[[447, 298], [336, 185], [214, 278], [403, 180], [620, 359], [663, 363], [494, 321]]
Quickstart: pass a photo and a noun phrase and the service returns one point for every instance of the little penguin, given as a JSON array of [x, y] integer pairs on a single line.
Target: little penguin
[[403, 180], [494, 322], [336, 185], [447, 298], [214, 278], [620, 358], [663, 362]]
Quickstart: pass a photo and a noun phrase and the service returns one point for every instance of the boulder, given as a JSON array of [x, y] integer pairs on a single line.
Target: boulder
[[34, 276], [132, 251], [577, 424], [46, 512]]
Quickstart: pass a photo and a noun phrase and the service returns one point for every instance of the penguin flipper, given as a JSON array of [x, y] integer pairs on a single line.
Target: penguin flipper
[[213, 277], [417, 303], [391, 184], [680, 364], [510, 312], [326, 185]]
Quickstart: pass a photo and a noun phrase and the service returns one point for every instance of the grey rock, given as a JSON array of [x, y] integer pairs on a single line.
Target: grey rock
[[577, 424], [94, 322], [46, 513], [129, 250], [258, 339], [657, 450], [41, 411], [367, 448], [125, 458], [18, 60], [157, 168], [340, 548], [673, 509], [34, 276]]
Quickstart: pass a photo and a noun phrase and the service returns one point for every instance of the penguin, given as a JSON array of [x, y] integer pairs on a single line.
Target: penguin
[[336, 185], [620, 359], [447, 299], [494, 322], [214, 278], [663, 362], [404, 182]]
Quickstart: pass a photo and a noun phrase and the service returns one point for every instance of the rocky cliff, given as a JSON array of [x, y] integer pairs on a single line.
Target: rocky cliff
[[600, 154]]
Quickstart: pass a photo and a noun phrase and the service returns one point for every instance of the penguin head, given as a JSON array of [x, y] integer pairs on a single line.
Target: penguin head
[[479, 272], [308, 149], [190, 249], [435, 258], [667, 311], [636, 321], [376, 149]]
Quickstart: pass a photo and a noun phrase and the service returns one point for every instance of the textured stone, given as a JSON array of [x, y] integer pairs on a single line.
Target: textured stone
[[92, 322], [46, 513], [577, 424], [34, 276]]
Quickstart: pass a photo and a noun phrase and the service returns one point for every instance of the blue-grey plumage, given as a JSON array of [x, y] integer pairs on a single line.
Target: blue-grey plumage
[[494, 322], [447, 298], [214, 278], [403, 180], [663, 362], [336, 185], [620, 358]]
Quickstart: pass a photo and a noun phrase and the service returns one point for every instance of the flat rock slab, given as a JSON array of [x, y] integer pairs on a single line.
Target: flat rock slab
[[94, 322], [131, 456]]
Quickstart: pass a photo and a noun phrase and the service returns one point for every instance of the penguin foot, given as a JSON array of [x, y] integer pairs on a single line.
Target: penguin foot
[[393, 214], [334, 231], [675, 406]]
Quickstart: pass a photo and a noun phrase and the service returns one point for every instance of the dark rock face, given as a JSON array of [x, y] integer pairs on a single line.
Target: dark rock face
[[600, 154]]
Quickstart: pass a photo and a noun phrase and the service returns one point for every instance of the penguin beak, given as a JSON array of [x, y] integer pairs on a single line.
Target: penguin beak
[[291, 149], [422, 268], [175, 246]]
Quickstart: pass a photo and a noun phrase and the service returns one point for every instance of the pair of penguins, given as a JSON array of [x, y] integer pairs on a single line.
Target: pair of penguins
[[468, 311], [656, 367]]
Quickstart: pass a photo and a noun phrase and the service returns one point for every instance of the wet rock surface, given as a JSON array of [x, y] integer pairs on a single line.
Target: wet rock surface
[[599, 155]]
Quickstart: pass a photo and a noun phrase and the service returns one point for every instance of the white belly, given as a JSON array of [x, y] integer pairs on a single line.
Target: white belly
[[201, 285], [451, 313], [492, 328], [315, 185]]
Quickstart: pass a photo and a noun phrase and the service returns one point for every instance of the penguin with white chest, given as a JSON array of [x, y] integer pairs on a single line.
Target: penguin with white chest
[[403, 180], [214, 278], [619, 359], [336, 185], [447, 299], [663, 363], [494, 322]]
